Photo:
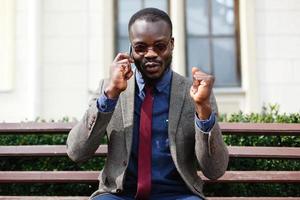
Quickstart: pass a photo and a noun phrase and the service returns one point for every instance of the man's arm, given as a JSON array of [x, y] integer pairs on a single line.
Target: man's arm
[[84, 138], [211, 151]]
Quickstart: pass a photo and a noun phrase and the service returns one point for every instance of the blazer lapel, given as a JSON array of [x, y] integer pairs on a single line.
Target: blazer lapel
[[178, 92], [127, 107]]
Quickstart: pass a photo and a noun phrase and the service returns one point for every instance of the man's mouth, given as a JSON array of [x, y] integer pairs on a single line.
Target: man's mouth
[[152, 67], [152, 64]]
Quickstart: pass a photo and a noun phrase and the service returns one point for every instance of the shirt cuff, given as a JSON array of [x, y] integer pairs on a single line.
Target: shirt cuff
[[206, 125], [104, 104]]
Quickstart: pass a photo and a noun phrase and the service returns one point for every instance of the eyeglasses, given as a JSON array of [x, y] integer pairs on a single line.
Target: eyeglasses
[[159, 48]]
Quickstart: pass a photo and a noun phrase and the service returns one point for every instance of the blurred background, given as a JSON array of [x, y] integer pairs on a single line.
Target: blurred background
[[54, 52]]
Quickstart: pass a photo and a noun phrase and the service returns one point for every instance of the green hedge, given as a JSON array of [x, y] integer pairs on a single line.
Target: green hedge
[[269, 114]]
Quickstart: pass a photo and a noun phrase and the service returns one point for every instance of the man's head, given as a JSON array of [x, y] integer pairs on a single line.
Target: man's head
[[150, 32]]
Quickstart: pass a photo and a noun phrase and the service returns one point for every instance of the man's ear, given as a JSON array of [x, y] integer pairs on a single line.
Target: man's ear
[[172, 43]]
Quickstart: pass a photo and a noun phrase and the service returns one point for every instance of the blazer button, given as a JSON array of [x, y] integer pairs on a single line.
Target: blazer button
[[124, 163], [118, 190]]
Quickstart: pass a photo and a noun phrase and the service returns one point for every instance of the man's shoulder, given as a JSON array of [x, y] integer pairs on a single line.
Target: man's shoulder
[[185, 80]]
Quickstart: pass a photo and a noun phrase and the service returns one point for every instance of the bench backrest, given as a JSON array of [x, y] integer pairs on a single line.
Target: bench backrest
[[91, 176]]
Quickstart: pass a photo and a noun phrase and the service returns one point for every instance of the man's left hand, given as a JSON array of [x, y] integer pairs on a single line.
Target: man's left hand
[[200, 92]]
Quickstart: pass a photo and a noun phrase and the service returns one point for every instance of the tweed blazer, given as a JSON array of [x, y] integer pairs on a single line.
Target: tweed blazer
[[190, 148]]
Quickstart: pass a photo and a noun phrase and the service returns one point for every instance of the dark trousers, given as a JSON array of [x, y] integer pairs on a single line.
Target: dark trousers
[[153, 197]]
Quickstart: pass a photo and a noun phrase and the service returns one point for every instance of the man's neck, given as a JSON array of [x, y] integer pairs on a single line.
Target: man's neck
[[153, 82]]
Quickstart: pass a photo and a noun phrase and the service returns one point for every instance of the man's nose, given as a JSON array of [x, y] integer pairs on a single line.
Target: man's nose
[[150, 53]]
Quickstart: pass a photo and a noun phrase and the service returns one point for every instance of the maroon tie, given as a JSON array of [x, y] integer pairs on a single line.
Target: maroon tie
[[145, 147]]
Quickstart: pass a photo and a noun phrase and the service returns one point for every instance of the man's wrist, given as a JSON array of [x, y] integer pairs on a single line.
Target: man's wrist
[[203, 110], [105, 104], [206, 125], [111, 92]]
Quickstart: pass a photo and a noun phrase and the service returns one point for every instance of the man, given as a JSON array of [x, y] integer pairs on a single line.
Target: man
[[161, 128]]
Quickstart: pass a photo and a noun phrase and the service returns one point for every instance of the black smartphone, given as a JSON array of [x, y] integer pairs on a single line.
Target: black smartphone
[[130, 51]]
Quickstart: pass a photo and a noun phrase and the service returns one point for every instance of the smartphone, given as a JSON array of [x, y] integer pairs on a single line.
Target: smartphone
[[130, 51]]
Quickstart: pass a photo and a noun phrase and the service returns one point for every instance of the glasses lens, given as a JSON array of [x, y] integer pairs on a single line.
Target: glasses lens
[[140, 49], [158, 48]]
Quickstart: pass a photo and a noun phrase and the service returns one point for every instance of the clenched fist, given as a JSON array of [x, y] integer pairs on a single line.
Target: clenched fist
[[120, 73], [200, 92]]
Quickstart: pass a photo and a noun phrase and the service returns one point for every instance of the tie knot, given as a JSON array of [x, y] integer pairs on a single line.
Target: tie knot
[[149, 89]]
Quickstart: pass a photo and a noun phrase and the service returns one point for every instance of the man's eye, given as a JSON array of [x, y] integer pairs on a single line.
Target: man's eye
[[160, 47], [140, 48]]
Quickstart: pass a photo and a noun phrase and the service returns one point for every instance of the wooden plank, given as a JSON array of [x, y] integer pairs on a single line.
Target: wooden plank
[[234, 151], [48, 176], [253, 198], [92, 176], [227, 128], [41, 151], [260, 129], [34, 127], [257, 177], [86, 198], [43, 198], [264, 152]]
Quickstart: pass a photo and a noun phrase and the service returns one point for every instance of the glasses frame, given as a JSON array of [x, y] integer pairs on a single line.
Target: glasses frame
[[152, 47]]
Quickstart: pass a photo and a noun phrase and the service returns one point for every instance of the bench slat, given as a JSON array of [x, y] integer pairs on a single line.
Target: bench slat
[[264, 152], [42, 198], [92, 176], [260, 128], [253, 198], [234, 151], [257, 177], [42, 150], [34, 127], [86, 198], [227, 128]]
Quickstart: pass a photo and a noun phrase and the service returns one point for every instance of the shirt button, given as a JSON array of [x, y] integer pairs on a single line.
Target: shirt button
[[124, 163]]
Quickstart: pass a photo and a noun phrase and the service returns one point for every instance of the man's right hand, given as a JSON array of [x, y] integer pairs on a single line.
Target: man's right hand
[[120, 73]]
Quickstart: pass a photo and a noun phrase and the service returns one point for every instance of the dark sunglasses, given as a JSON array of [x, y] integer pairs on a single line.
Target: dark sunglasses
[[159, 47]]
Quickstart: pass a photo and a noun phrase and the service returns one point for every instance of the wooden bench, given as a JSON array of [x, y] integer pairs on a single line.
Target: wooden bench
[[91, 176]]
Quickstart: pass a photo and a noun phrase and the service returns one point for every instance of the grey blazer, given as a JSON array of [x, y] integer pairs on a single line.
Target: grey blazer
[[188, 144]]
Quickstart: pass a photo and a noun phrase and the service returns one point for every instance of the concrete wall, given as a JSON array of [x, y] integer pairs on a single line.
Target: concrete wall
[[62, 48], [278, 57], [72, 54]]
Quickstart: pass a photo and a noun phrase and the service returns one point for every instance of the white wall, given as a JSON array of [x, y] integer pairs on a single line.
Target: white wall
[[76, 49], [65, 57], [13, 103], [7, 47], [78, 44], [278, 52], [75, 53]]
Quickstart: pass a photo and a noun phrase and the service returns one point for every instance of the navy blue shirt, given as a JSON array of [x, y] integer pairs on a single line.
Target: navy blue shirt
[[165, 178]]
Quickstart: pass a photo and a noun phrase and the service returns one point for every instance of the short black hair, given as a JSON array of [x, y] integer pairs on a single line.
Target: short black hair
[[150, 15]]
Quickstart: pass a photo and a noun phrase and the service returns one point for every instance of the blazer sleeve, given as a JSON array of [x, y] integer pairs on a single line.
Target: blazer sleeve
[[211, 151], [84, 138]]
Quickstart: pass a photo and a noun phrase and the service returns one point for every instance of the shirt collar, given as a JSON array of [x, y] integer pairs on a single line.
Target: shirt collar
[[160, 86]]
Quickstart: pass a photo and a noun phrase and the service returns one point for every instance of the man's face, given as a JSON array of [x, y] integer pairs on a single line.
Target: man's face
[[152, 47]]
